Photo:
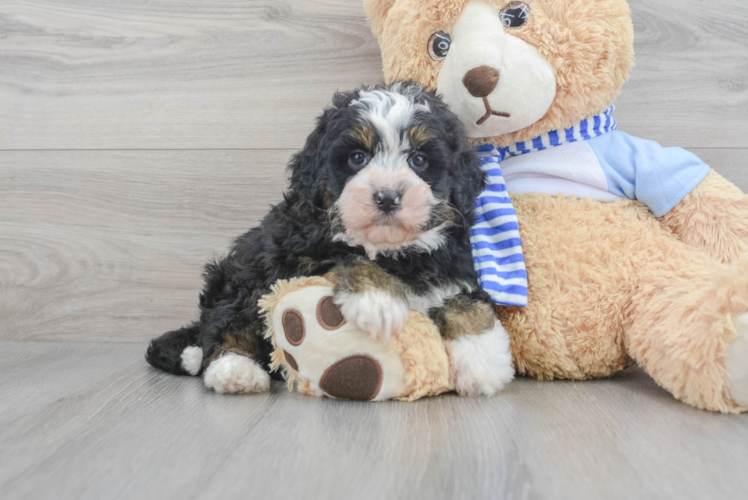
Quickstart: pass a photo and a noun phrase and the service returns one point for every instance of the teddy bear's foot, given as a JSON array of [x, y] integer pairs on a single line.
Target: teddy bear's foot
[[374, 311], [234, 374], [192, 359], [481, 365], [737, 363]]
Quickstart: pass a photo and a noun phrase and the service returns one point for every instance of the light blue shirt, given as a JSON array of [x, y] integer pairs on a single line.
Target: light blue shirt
[[608, 167], [645, 171]]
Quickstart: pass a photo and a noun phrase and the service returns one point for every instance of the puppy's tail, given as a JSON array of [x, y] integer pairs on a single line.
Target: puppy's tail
[[176, 351]]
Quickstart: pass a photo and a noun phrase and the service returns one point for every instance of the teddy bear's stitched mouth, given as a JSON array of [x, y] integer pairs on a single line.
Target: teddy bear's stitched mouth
[[490, 112]]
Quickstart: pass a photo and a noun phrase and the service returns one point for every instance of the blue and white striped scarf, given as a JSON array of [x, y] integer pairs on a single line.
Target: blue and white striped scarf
[[495, 238]]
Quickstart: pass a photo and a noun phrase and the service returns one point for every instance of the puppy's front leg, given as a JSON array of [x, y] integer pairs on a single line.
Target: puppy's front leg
[[480, 358], [370, 298]]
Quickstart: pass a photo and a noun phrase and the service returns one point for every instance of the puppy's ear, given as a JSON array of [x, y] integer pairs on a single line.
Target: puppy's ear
[[305, 166], [377, 11], [468, 180], [308, 177]]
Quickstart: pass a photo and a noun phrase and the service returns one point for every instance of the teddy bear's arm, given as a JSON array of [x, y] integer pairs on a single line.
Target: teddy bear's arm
[[712, 218]]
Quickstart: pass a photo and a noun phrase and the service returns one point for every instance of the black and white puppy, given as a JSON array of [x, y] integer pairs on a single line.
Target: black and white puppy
[[381, 202]]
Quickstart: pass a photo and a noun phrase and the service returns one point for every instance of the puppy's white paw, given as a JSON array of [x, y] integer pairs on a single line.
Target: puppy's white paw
[[481, 365], [233, 374], [374, 311], [736, 363], [192, 359]]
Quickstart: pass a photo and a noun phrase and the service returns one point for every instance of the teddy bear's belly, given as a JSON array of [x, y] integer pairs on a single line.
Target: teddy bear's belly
[[583, 261]]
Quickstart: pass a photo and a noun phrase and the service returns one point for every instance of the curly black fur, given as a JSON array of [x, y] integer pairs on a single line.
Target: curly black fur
[[296, 237]]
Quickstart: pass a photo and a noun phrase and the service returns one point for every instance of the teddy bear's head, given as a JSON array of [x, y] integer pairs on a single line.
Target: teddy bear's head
[[511, 70]]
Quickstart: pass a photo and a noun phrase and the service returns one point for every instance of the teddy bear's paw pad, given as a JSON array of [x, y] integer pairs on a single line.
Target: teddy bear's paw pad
[[736, 363], [329, 356], [291, 361], [329, 315], [236, 374], [293, 327], [481, 365], [355, 377]]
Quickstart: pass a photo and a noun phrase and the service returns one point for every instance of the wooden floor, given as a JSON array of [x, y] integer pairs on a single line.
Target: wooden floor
[[138, 138]]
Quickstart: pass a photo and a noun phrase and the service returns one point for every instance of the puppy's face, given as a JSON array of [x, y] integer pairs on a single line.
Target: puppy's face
[[397, 169]]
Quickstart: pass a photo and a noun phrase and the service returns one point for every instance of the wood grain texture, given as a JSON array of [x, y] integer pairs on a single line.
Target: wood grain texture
[[175, 74], [109, 245], [97, 423]]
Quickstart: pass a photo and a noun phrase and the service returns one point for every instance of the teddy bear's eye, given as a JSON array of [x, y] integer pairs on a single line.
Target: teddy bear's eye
[[439, 44], [515, 15]]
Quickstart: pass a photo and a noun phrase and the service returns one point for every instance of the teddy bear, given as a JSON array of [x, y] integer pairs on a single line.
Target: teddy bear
[[635, 253]]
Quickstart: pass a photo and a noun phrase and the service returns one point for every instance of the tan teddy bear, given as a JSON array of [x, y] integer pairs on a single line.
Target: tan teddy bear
[[634, 252]]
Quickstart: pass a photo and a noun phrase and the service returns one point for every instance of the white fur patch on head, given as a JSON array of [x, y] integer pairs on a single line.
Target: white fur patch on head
[[391, 111], [192, 359], [481, 365], [737, 363], [375, 311], [235, 374]]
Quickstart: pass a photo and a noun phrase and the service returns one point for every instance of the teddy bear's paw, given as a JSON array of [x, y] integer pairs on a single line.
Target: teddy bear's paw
[[324, 354], [235, 374], [192, 359], [375, 311], [481, 365], [737, 363]]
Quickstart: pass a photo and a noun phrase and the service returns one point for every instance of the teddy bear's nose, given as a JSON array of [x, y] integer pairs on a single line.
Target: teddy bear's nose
[[481, 81]]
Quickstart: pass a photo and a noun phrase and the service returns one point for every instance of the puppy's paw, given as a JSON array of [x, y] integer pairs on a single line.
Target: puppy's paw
[[192, 359], [481, 365], [375, 311], [234, 374]]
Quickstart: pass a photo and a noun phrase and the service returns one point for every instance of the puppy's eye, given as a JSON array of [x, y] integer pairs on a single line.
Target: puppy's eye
[[515, 15], [358, 160], [418, 162], [439, 44]]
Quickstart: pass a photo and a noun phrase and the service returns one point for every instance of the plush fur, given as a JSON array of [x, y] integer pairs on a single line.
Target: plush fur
[[589, 45], [610, 285], [333, 221]]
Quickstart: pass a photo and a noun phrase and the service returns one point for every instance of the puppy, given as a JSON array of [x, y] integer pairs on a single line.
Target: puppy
[[381, 202]]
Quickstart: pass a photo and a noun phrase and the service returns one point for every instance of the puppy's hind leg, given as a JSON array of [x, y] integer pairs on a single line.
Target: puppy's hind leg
[[234, 365], [480, 357], [176, 351]]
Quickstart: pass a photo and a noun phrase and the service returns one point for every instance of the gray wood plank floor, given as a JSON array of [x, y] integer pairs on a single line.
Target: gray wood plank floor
[[92, 421], [138, 138]]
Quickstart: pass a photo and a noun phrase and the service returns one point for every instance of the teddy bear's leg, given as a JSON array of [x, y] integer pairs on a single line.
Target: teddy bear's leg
[[712, 218], [233, 369], [480, 358], [687, 325], [370, 298]]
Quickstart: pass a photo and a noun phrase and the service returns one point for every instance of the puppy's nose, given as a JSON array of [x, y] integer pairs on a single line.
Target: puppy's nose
[[387, 200], [481, 81]]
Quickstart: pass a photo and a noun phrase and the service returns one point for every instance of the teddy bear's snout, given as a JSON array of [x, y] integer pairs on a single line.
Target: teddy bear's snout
[[481, 81]]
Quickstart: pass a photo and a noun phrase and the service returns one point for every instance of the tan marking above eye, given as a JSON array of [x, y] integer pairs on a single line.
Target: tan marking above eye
[[293, 327], [329, 315], [356, 377]]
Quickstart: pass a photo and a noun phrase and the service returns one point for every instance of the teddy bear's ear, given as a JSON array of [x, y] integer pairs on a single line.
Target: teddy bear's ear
[[377, 11]]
